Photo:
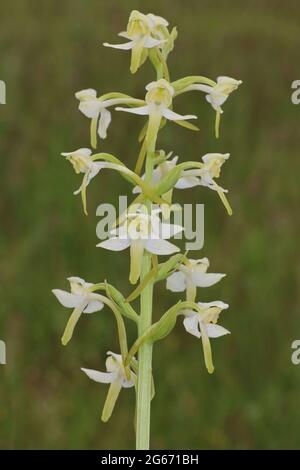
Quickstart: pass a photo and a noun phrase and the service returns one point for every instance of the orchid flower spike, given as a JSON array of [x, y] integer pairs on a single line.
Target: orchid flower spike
[[115, 376], [142, 231], [158, 101], [144, 32], [203, 324], [189, 275], [81, 299]]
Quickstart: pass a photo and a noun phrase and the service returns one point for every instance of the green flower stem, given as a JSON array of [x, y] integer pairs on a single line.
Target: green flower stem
[[144, 387], [144, 382], [120, 324]]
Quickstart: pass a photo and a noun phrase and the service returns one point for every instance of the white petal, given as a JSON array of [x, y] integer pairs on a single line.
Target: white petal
[[123, 34], [142, 110], [115, 244], [79, 280], [187, 182], [191, 325], [88, 94], [94, 170], [168, 114], [68, 300], [215, 331], [93, 306], [125, 46], [176, 282], [215, 303], [97, 376], [161, 247], [90, 108], [229, 81], [129, 383], [151, 42], [155, 20], [104, 122], [211, 100], [206, 279], [114, 362], [208, 157], [84, 152]]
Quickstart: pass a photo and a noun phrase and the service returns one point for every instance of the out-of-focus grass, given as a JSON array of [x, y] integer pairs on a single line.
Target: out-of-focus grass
[[49, 50]]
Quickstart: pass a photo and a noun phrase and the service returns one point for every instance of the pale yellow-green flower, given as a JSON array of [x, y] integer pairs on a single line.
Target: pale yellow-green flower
[[142, 232], [116, 376], [144, 32], [158, 101], [217, 94], [189, 275], [203, 324], [81, 299]]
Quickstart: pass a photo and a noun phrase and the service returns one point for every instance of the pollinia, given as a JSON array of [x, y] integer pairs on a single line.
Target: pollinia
[[145, 227]]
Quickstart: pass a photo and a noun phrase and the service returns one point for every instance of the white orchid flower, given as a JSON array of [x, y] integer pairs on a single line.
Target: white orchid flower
[[162, 170], [116, 377], [158, 101], [211, 169], [190, 275], [81, 299], [83, 162], [203, 324], [96, 109], [92, 108], [212, 163], [217, 94], [141, 32], [141, 232], [205, 176]]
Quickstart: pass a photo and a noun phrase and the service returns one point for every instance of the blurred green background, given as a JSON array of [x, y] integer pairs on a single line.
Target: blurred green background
[[49, 50]]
